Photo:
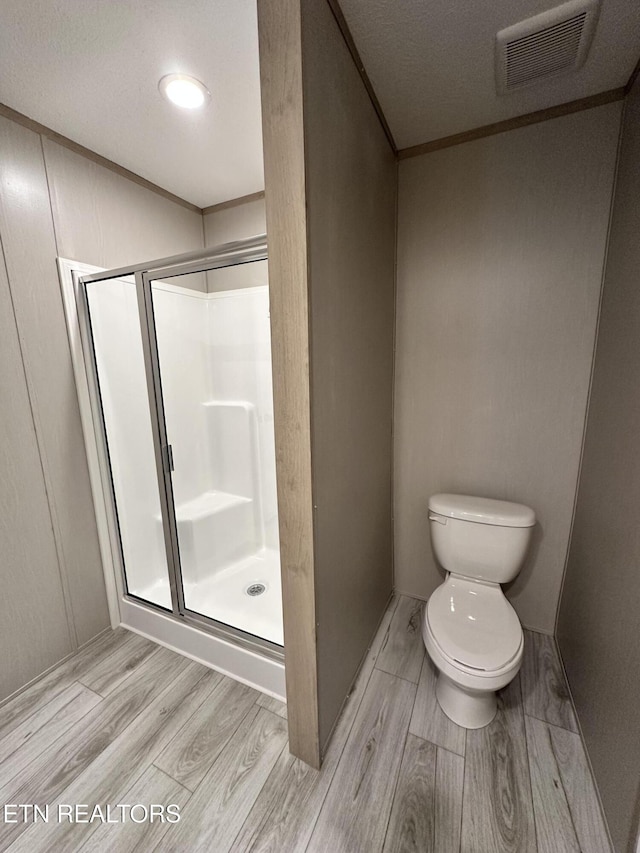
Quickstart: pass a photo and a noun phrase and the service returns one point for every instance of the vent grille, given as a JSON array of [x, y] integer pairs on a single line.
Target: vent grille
[[552, 43]]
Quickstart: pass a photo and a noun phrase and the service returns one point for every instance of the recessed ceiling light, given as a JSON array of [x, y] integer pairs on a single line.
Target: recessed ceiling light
[[184, 91]]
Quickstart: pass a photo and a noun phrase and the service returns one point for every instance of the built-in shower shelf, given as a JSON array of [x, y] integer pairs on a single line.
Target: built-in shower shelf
[[207, 504]]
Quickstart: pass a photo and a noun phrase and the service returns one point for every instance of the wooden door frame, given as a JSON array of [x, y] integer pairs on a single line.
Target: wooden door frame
[[279, 27]]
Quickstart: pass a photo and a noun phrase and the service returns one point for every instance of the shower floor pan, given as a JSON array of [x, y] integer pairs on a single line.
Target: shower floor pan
[[224, 596]]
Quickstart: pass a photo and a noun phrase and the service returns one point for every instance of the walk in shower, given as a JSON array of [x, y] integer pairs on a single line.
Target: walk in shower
[[178, 361]]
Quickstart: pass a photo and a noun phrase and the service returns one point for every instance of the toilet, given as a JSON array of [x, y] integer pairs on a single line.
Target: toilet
[[471, 632]]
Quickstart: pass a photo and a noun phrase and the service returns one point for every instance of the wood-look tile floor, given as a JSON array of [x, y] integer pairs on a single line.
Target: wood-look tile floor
[[126, 722]]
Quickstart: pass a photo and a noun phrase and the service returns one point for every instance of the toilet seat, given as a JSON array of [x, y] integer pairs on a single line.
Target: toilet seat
[[474, 626]]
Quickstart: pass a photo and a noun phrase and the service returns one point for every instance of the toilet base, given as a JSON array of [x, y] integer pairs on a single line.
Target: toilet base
[[471, 709]]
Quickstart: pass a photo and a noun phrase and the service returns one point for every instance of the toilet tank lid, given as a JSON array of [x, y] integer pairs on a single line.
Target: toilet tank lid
[[483, 510]]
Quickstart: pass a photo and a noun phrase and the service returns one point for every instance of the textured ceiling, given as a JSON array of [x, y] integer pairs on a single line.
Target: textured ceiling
[[431, 62], [89, 69]]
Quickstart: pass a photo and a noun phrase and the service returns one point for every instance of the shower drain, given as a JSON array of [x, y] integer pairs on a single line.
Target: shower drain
[[255, 589]]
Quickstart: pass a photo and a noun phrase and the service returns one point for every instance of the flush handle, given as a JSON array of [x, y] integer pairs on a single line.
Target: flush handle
[[438, 518]]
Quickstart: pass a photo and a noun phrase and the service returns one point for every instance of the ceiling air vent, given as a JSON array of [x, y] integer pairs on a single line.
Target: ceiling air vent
[[555, 42]]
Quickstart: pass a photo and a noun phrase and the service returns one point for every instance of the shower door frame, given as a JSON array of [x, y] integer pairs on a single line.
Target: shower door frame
[[225, 255]]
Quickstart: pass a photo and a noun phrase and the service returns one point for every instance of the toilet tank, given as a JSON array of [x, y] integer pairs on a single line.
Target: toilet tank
[[479, 537]]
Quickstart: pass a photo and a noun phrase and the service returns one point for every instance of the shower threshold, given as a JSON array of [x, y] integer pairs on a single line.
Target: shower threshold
[[223, 595]]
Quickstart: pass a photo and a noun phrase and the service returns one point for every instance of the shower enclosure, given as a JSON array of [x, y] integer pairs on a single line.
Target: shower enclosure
[[178, 364]]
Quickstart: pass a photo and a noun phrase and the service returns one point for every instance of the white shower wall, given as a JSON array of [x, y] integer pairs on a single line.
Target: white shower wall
[[240, 370], [215, 361]]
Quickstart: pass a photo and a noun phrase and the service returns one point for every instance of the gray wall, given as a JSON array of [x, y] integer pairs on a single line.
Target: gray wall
[[598, 628], [351, 203], [501, 246], [55, 202]]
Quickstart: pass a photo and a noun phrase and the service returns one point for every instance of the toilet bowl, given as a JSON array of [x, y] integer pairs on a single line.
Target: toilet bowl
[[471, 632]]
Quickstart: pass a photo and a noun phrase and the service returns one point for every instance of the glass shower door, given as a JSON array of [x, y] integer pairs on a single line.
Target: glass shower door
[[120, 378], [211, 338]]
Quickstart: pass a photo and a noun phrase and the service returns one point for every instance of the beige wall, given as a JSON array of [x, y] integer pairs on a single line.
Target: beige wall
[[598, 626], [330, 182], [351, 201], [54, 202], [235, 223], [501, 245], [227, 225], [104, 219]]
